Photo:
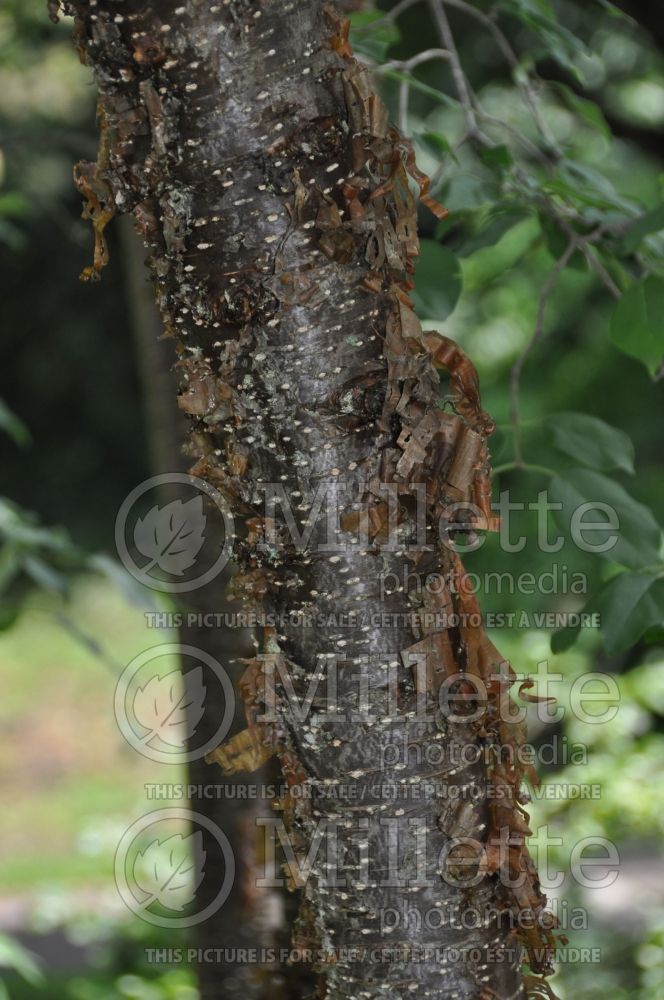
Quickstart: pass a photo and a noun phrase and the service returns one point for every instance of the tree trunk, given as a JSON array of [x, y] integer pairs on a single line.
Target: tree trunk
[[249, 918], [263, 175]]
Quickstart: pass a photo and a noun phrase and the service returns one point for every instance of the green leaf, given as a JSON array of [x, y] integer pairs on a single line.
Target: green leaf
[[467, 190], [437, 95], [654, 636], [637, 324], [564, 638], [496, 156], [488, 263], [13, 426], [557, 41], [557, 242], [614, 11], [650, 222], [22, 529], [371, 39], [439, 281], [14, 203], [584, 185], [585, 109], [629, 604], [636, 541], [578, 172], [591, 442], [490, 227], [44, 575], [14, 956], [436, 144]]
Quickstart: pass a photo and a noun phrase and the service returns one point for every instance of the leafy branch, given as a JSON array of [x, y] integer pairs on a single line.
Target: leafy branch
[[582, 219], [573, 197]]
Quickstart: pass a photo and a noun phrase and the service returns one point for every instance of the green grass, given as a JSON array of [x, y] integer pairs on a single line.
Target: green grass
[[70, 782]]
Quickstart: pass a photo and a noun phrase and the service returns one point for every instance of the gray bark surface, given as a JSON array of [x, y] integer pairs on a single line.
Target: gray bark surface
[[258, 164]]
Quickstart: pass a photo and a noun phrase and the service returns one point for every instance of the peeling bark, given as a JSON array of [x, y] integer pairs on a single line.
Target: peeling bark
[[274, 197]]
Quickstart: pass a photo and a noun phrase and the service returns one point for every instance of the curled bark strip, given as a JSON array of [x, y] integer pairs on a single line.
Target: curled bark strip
[[99, 203], [274, 199]]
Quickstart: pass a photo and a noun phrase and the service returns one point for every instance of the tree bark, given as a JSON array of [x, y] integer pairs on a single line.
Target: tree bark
[[249, 918], [263, 175]]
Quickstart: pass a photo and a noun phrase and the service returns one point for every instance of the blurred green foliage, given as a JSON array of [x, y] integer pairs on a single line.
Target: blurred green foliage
[[87, 451], [567, 168]]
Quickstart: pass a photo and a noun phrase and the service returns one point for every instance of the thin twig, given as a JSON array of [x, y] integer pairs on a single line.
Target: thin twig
[[601, 272], [391, 15], [407, 65], [473, 111], [399, 9], [437, 178], [402, 109], [525, 85], [584, 244], [461, 84]]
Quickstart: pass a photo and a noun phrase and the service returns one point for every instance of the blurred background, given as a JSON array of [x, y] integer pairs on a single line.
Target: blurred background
[[88, 411]]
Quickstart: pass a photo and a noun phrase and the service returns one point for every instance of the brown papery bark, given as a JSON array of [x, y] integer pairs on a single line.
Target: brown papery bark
[[274, 198]]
